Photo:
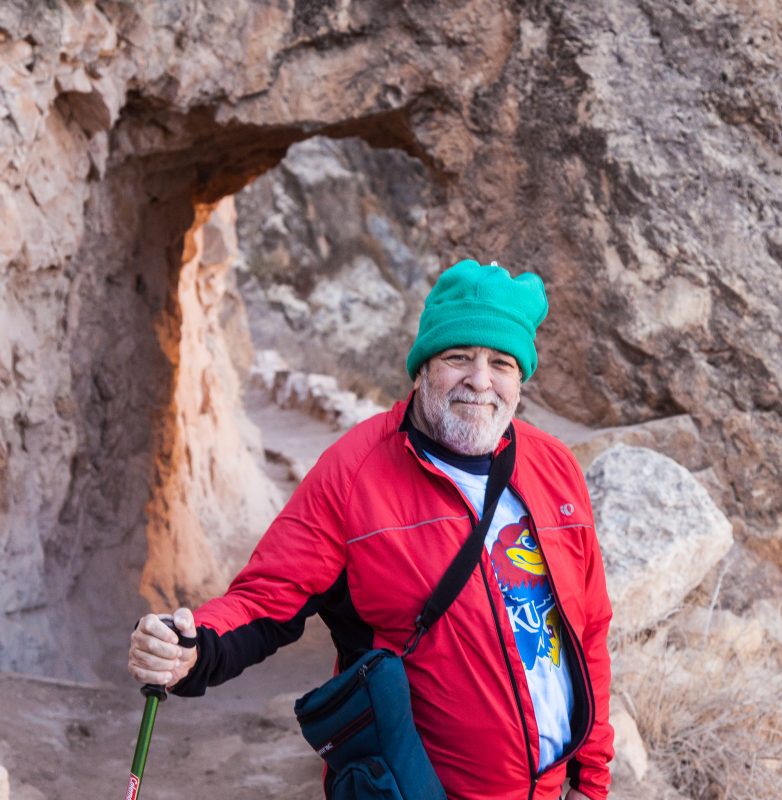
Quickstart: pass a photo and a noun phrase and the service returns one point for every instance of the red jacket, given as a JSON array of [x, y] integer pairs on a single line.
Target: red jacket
[[364, 540]]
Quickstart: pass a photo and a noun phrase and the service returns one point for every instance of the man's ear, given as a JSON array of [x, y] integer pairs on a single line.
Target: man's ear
[[420, 376]]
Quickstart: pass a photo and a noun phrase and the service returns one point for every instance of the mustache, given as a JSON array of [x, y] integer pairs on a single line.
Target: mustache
[[467, 396]]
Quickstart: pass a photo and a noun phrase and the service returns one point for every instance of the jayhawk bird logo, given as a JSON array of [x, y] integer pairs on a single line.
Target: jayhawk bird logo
[[521, 573]]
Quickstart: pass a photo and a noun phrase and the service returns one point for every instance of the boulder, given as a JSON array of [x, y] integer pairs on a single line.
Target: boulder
[[659, 531], [630, 755], [676, 437]]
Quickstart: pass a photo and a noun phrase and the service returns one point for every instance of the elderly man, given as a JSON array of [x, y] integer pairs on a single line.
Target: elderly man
[[508, 703]]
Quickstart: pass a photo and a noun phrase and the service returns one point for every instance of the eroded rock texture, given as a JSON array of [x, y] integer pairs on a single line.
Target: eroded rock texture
[[210, 500], [670, 181], [339, 257], [627, 151]]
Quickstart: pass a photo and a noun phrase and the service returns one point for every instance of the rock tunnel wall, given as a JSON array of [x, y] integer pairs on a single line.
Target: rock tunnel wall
[[629, 152]]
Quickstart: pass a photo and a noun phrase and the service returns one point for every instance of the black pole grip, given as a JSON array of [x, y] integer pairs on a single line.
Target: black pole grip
[[158, 690]]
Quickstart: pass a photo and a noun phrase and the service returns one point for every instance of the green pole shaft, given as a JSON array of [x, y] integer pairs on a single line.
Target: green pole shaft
[[155, 695], [142, 746]]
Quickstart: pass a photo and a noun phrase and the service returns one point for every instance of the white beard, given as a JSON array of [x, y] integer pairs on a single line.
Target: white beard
[[472, 432]]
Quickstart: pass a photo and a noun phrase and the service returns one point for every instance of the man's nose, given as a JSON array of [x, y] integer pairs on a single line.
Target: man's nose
[[479, 376]]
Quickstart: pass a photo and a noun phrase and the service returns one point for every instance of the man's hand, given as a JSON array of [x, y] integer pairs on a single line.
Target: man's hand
[[574, 794], [155, 656]]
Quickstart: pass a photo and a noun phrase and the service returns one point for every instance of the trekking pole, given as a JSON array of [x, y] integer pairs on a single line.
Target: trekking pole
[[155, 695]]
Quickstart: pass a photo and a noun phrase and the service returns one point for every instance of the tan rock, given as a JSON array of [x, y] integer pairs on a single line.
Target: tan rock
[[15, 53], [660, 533], [74, 80], [320, 396], [768, 614], [22, 108], [10, 226], [722, 631], [630, 752], [655, 785], [676, 437], [214, 500]]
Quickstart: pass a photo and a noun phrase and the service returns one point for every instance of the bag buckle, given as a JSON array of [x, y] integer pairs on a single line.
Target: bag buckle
[[415, 636]]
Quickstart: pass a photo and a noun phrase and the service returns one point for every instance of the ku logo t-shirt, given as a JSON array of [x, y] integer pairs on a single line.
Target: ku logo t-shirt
[[532, 611], [521, 574]]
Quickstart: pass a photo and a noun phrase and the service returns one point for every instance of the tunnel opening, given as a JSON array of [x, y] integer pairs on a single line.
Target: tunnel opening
[[166, 491]]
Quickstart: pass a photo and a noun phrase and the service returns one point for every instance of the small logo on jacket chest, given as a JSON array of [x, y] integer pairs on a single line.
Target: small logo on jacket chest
[[567, 509]]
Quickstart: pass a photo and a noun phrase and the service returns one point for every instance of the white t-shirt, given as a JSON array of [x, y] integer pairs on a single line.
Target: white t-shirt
[[521, 574]]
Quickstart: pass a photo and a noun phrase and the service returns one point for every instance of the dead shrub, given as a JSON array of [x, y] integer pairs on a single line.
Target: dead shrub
[[712, 721]]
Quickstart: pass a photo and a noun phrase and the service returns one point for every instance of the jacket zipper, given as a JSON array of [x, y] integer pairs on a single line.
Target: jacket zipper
[[579, 650], [534, 774], [533, 770]]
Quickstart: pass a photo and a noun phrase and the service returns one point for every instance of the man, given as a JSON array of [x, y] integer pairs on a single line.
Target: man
[[507, 702]]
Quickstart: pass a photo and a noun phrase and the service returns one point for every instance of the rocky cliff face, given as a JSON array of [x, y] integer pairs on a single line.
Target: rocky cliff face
[[629, 152], [660, 221]]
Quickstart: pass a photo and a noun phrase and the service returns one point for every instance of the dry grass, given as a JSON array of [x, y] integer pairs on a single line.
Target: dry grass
[[711, 721]]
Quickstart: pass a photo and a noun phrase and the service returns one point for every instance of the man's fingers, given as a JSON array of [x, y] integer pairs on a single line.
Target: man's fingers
[[148, 668], [183, 619], [146, 660], [144, 643], [153, 625], [155, 655], [150, 676]]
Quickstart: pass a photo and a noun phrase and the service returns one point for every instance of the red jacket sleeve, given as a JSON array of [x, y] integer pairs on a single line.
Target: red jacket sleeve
[[301, 555], [293, 570]]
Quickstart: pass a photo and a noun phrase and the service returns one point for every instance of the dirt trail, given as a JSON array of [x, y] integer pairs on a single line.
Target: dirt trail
[[64, 740]]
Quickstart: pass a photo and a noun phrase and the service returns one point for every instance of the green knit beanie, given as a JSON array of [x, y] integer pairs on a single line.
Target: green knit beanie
[[476, 306]]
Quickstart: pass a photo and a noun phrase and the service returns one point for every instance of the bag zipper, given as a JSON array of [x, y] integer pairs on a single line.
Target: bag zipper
[[336, 700]]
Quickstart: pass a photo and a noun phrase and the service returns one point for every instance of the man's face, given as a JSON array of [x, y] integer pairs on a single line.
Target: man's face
[[466, 397]]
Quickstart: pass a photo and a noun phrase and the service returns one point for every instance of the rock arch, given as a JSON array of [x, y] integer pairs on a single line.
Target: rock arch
[[137, 508], [622, 152]]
